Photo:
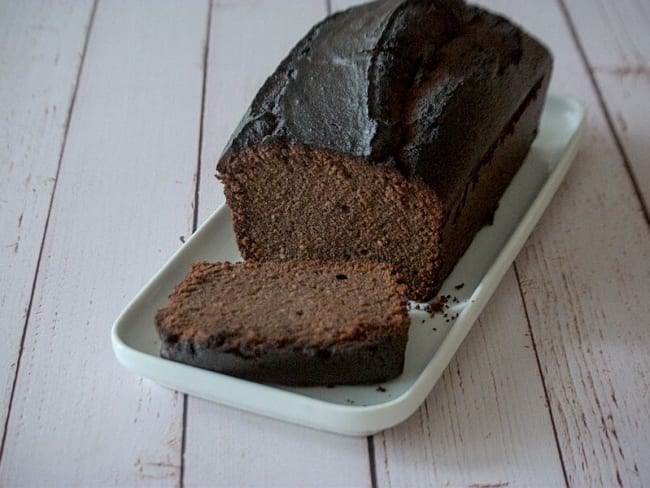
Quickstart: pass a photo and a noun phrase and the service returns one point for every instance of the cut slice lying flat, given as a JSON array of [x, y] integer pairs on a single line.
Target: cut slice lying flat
[[293, 323]]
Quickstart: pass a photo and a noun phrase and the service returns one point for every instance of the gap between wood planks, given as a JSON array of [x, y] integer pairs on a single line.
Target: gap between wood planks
[[608, 117], [541, 375], [30, 303], [195, 208]]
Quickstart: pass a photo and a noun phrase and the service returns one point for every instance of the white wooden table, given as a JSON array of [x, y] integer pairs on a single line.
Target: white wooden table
[[112, 116]]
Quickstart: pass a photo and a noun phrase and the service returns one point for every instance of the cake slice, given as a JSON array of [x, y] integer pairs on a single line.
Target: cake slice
[[292, 323], [388, 134]]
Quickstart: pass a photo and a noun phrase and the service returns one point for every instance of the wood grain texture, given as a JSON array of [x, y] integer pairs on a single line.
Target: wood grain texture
[[486, 422], [248, 40], [123, 197], [40, 56], [585, 274], [615, 37]]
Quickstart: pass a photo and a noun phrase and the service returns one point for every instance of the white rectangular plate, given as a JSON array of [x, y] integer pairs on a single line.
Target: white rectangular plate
[[363, 410]]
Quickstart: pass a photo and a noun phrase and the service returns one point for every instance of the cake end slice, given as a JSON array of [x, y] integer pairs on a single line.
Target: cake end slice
[[292, 323]]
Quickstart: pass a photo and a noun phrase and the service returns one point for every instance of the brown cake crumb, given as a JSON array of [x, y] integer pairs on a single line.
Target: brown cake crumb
[[437, 305]]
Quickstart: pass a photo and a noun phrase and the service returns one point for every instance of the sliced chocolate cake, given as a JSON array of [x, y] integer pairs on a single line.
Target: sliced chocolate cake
[[388, 134]]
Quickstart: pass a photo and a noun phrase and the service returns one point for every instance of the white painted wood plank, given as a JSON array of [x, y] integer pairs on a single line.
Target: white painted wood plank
[[246, 450], [616, 40], [585, 275], [475, 427], [39, 61], [613, 33], [123, 197], [248, 40], [486, 422]]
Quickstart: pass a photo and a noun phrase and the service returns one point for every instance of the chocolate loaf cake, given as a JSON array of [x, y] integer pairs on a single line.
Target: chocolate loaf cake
[[294, 323], [388, 134]]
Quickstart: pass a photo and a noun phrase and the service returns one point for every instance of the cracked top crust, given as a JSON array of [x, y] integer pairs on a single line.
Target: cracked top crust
[[391, 83]]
